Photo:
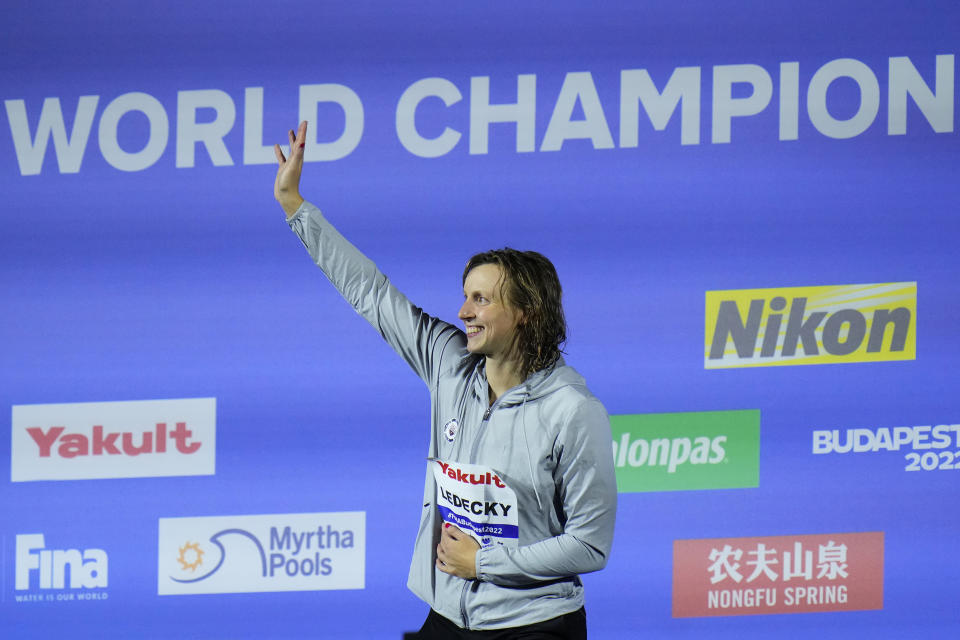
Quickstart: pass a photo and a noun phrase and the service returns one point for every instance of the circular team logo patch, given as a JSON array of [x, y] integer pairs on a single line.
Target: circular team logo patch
[[450, 429]]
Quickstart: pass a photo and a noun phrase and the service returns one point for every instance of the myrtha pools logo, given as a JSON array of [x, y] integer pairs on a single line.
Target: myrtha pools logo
[[247, 554]]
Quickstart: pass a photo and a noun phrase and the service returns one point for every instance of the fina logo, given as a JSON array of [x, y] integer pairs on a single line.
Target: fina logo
[[250, 554], [45, 574]]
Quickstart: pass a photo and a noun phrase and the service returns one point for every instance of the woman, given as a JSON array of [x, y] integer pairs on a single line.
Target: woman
[[511, 425]]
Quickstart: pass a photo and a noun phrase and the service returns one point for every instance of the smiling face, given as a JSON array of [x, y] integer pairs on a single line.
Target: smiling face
[[491, 323]]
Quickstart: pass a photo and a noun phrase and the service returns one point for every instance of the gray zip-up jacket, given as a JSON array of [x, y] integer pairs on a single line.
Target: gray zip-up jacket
[[548, 438]]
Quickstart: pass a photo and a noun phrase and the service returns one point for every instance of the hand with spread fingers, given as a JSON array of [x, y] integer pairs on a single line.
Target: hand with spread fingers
[[457, 553], [286, 188]]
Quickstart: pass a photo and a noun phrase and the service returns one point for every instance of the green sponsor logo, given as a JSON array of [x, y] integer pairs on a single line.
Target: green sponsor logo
[[683, 451]]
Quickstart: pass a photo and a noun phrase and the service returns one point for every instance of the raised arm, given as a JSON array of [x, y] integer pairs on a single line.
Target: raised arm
[[422, 340]]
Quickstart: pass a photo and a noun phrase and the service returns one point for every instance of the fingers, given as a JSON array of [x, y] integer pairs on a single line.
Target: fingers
[[442, 550], [441, 562], [301, 138], [297, 140], [451, 559]]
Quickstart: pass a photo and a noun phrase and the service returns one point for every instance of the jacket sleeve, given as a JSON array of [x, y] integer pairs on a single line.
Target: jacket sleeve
[[418, 337], [587, 492]]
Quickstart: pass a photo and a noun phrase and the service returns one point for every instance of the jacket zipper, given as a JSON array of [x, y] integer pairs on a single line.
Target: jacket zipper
[[476, 441], [463, 605], [473, 456]]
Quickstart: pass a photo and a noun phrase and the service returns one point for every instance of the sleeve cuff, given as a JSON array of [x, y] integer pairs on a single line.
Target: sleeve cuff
[[298, 213], [480, 562]]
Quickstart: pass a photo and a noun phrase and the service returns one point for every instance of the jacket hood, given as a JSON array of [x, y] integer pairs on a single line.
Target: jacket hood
[[537, 385]]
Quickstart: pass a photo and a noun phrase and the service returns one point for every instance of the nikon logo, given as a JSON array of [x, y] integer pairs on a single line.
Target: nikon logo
[[811, 325], [684, 451]]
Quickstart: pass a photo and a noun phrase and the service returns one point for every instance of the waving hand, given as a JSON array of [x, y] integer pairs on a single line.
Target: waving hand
[[286, 188]]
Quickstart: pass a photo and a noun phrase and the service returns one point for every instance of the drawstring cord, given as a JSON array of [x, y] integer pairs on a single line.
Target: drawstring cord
[[523, 427]]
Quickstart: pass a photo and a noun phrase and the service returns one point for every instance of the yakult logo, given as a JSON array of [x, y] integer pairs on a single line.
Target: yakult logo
[[40, 571], [470, 478], [148, 438]]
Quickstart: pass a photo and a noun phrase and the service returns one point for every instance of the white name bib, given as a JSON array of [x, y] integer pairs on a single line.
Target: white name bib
[[475, 499]]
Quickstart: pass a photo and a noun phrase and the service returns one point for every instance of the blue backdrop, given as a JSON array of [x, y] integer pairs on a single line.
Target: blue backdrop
[[134, 268]]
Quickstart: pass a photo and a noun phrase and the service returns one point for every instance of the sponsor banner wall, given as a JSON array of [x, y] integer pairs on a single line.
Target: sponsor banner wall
[[726, 190]]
